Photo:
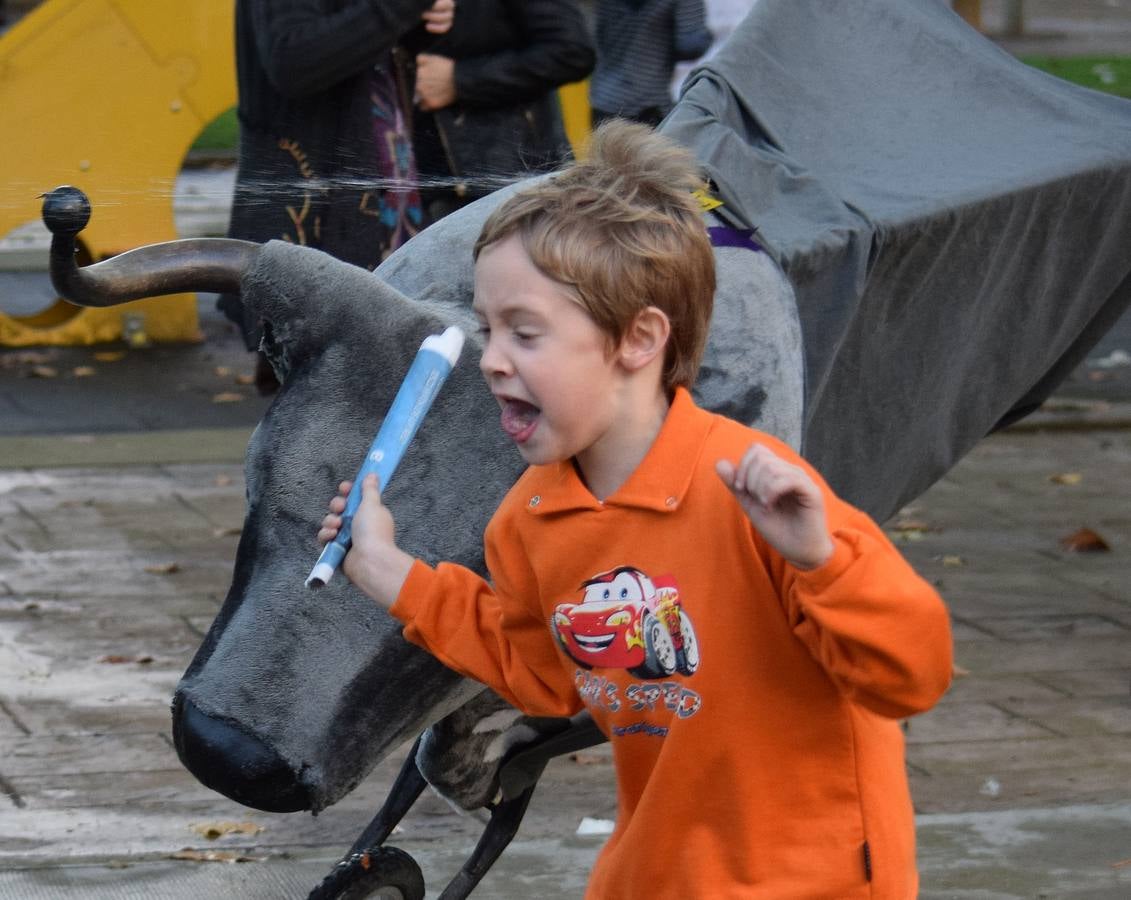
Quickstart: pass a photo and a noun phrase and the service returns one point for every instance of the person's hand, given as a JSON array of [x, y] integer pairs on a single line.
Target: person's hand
[[438, 19], [376, 523], [332, 522], [374, 563], [435, 81], [783, 503]]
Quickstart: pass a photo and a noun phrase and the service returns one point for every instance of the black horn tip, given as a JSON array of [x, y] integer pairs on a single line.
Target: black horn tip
[[66, 210]]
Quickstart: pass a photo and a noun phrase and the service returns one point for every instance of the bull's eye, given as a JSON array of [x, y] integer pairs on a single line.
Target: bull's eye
[[619, 618]]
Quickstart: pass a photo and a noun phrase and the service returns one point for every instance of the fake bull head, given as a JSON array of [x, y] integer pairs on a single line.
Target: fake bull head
[[295, 695]]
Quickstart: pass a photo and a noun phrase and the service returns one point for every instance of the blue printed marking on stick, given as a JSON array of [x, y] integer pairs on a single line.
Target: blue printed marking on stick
[[429, 370]]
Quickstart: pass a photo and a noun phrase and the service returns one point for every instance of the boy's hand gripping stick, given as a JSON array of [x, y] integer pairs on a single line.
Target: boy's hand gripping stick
[[435, 359]]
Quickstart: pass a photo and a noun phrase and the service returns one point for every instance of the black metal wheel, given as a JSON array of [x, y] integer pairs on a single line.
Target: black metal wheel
[[384, 873]]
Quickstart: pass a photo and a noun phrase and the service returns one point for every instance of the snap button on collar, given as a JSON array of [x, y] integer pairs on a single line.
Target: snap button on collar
[[535, 500], [670, 502]]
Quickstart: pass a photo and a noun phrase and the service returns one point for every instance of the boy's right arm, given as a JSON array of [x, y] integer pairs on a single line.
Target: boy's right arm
[[374, 563], [480, 631], [455, 614]]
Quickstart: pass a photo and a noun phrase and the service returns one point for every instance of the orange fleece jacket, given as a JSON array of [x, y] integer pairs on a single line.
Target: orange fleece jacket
[[752, 708]]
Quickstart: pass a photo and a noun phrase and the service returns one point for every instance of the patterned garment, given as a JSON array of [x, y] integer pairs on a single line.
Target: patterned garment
[[353, 194], [398, 201], [638, 44]]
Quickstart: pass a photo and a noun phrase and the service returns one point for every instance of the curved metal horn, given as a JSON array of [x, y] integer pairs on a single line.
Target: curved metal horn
[[192, 264]]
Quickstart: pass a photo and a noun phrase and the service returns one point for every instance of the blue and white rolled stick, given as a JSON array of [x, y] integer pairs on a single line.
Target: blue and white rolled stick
[[434, 361]]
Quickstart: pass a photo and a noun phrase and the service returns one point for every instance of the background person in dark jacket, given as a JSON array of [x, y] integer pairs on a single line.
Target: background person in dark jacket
[[325, 101], [638, 44], [486, 92]]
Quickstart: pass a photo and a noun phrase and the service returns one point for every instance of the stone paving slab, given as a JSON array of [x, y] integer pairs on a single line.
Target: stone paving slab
[[1021, 853]]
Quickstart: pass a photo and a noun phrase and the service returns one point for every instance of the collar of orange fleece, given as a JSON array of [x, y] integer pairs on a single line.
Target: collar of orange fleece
[[659, 482]]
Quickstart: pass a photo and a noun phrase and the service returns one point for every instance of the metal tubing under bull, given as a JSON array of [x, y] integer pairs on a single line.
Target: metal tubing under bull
[[431, 367]]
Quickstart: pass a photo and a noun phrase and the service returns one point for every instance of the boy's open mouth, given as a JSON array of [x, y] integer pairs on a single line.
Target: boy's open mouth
[[519, 419]]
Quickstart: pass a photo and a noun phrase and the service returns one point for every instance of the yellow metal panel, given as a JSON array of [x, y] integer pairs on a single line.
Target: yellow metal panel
[[201, 46], [970, 10], [108, 95], [574, 100]]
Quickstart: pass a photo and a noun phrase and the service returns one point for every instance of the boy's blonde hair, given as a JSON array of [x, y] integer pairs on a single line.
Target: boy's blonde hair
[[622, 231]]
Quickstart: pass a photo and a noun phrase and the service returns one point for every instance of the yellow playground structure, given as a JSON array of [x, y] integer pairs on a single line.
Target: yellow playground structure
[[108, 95]]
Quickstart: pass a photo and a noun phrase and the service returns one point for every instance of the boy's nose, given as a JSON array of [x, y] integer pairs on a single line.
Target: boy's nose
[[492, 362]]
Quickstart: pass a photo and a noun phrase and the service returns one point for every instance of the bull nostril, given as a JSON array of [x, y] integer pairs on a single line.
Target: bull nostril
[[234, 763]]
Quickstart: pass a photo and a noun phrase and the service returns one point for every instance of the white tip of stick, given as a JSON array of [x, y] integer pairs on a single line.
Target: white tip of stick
[[449, 344], [320, 575]]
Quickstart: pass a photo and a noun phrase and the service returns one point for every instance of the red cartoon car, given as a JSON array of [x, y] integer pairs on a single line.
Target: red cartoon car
[[627, 621]]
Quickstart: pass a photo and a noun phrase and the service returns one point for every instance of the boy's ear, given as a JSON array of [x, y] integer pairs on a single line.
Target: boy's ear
[[645, 339]]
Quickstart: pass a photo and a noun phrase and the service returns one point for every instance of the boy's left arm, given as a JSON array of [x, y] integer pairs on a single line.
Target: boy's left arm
[[878, 629]]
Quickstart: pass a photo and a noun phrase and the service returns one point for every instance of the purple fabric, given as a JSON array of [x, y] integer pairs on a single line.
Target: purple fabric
[[725, 236]]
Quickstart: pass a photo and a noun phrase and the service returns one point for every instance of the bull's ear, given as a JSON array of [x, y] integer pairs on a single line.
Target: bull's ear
[[275, 351]]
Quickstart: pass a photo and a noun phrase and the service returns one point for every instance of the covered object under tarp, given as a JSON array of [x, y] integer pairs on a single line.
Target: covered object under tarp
[[955, 224]]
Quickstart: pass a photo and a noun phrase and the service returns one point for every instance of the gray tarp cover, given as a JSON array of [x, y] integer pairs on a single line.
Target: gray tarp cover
[[956, 225]]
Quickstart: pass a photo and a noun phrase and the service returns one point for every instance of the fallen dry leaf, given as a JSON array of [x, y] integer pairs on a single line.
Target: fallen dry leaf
[[953, 561], [222, 371], [590, 759], [228, 856], [110, 355], [902, 524], [222, 480], [43, 372], [230, 531], [244, 378], [83, 371], [227, 397], [958, 672], [1066, 478], [26, 358], [117, 659], [1084, 541], [904, 529], [168, 568], [214, 830], [1074, 406]]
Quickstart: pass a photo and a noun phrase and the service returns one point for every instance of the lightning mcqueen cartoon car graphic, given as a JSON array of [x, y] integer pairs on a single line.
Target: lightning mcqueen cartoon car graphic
[[627, 621]]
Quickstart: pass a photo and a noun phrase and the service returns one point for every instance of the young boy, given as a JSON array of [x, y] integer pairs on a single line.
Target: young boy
[[747, 640]]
